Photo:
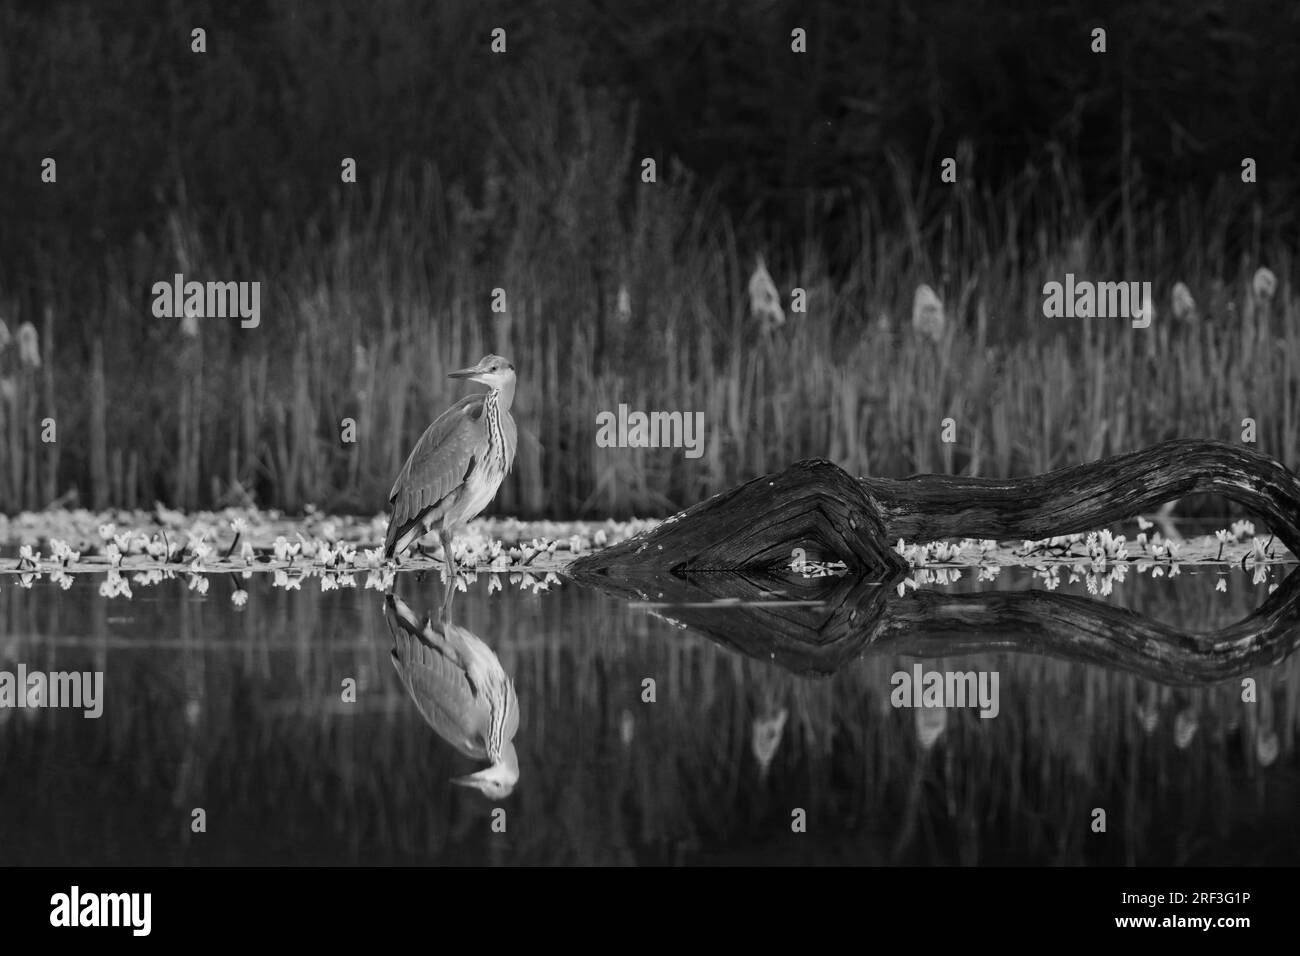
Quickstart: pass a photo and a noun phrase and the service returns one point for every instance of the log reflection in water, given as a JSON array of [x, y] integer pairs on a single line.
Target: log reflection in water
[[856, 615]]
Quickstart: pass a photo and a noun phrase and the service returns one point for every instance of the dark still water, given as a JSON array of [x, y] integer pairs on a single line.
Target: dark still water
[[1103, 704]]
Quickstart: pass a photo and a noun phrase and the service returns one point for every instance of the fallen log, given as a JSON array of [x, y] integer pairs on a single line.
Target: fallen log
[[814, 505], [1086, 497]]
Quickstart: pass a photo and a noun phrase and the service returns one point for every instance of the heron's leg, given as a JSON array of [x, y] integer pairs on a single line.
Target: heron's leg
[[450, 587]]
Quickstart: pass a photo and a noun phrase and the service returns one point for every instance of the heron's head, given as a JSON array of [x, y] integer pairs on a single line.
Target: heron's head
[[492, 370], [498, 780]]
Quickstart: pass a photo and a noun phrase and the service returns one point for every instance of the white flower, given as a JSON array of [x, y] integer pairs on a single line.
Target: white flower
[[623, 306], [930, 724], [283, 580], [1222, 584], [927, 313], [1184, 306], [1264, 284], [1184, 728], [107, 531], [29, 349], [764, 298], [114, 585], [379, 580], [1266, 746]]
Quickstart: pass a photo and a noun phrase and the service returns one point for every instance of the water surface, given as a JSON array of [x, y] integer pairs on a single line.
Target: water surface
[[240, 711]]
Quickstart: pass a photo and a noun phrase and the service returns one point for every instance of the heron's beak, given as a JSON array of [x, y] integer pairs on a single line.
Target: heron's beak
[[504, 774], [471, 372], [482, 782]]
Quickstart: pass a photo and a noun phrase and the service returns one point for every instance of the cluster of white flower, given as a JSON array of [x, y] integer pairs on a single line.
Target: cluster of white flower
[[1104, 547], [289, 582], [920, 576], [1241, 530], [965, 551], [333, 581], [816, 569], [114, 585], [63, 553], [283, 550]]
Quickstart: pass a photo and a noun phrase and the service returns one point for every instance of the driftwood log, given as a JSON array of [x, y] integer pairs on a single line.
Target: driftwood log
[[854, 616], [816, 506]]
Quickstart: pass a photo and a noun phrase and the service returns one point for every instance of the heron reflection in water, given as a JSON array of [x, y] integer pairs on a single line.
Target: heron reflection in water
[[461, 690]]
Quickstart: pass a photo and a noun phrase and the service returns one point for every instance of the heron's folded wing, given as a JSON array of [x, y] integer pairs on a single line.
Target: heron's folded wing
[[441, 693], [440, 460]]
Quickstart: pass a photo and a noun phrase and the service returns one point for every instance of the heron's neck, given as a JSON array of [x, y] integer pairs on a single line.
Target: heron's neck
[[505, 396], [510, 760]]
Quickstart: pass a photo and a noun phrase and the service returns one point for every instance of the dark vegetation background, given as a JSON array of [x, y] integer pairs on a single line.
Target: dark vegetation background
[[521, 171]]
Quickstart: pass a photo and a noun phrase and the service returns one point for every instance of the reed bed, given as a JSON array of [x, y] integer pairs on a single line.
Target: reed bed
[[622, 292]]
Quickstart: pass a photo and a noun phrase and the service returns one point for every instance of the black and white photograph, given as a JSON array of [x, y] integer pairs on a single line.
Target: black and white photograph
[[439, 435]]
